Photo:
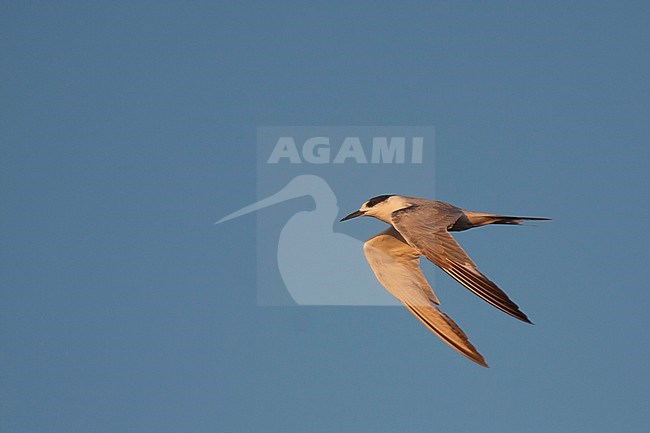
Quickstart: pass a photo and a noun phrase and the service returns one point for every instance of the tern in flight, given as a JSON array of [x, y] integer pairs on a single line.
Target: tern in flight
[[421, 227]]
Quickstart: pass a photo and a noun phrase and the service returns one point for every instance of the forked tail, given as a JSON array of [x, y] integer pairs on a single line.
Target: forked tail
[[478, 219], [501, 219]]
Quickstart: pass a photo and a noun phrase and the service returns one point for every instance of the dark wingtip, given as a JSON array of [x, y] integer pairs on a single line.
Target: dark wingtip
[[525, 319], [481, 362], [518, 314]]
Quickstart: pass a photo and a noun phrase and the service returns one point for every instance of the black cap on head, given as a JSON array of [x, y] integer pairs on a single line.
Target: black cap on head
[[376, 200]]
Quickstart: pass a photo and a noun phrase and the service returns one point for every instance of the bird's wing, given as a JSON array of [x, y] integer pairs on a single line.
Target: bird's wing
[[425, 228], [396, 265]]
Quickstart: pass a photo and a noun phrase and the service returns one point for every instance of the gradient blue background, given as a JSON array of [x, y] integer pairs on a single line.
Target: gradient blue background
[[128, 128]]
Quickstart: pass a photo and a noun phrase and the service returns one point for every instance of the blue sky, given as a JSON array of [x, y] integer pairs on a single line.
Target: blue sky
[[127, 129]]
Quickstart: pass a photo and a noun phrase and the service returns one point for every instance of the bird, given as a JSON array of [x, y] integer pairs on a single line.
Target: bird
[[421, 228]]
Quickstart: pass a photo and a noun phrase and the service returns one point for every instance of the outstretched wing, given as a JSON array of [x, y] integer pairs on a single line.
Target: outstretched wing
[[396, 266], [425, 228]]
